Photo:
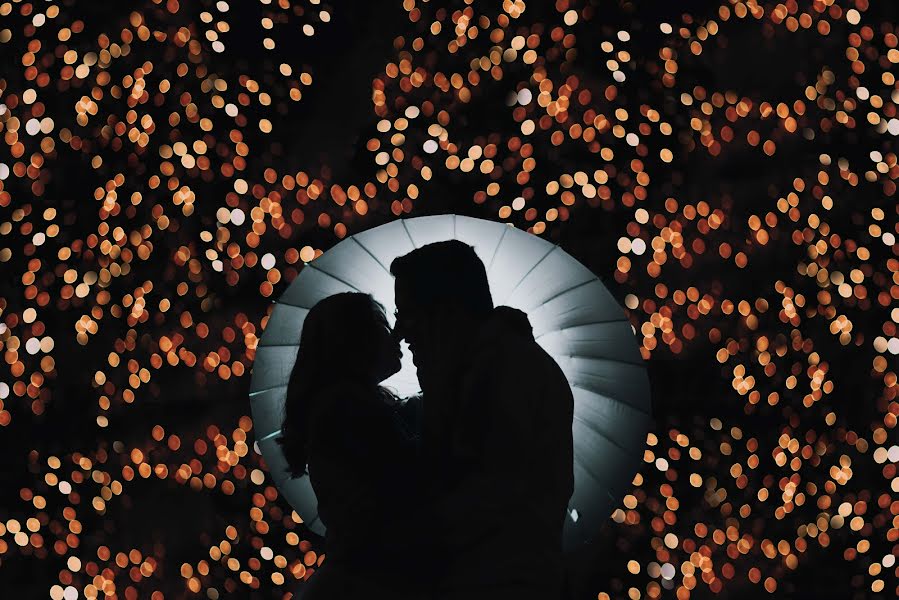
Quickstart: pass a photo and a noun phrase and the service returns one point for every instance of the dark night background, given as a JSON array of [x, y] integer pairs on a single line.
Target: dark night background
[[139, 195]]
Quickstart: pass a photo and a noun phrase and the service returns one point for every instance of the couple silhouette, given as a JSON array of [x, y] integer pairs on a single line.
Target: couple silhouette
[[460, 491]]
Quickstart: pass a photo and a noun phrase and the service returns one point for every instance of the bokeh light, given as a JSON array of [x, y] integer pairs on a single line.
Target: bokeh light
[[727, 167]]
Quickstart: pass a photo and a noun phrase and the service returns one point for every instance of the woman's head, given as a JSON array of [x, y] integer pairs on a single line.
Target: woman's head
[[345, 339], [347, 335]]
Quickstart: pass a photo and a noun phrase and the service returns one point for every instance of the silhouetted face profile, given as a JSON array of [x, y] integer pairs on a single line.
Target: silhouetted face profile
[[441, 294], [411, 325], [387, 347], [346, 338]]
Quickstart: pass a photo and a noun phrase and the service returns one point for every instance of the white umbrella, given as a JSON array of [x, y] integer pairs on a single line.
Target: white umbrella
[[574, 318]]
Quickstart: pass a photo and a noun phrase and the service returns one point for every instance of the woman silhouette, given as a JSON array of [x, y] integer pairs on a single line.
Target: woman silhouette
[[347, 428]]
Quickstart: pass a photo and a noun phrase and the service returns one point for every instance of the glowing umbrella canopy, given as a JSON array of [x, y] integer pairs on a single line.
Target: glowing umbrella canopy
[[574, 318]]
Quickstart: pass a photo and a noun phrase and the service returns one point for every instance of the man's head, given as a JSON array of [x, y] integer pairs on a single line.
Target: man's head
[[440, 286]]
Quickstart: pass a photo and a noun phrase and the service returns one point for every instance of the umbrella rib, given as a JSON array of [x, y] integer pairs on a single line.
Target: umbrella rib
[[531, 270], [268, 389], [496, 250], [375, 258], [601, 434], [334, 277], [602, 322], [281, 301], [589, 472], [565, 291], [408, 235], [269, 436], [276, 302], [618, 360], [580, 325], [311, 523], [605, 359], [617, 400]]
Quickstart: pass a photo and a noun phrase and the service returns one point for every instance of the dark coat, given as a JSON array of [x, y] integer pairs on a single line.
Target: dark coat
[[509, 469], [361, 465]]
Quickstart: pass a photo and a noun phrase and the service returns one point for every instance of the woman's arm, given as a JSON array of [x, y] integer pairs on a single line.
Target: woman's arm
[[355, 458]]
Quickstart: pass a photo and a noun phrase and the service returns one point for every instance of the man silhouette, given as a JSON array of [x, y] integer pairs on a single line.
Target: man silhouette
[[496, 431]]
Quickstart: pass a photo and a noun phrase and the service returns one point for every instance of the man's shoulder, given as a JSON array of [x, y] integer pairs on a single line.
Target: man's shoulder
[[523, 349], [521, 357]]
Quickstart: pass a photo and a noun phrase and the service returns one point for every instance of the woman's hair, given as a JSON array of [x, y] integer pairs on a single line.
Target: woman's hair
[[337, 346]]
